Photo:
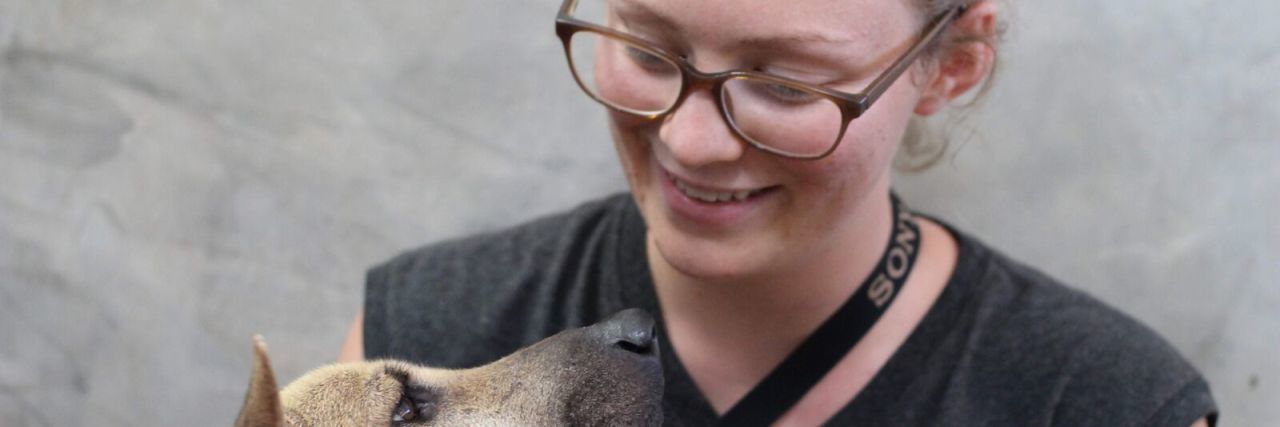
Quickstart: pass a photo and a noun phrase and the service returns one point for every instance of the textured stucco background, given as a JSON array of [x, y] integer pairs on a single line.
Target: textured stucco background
[[177, 176]]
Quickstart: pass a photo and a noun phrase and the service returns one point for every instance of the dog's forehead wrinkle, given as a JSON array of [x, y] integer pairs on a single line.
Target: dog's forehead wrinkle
[[576, 377], [397, 370]]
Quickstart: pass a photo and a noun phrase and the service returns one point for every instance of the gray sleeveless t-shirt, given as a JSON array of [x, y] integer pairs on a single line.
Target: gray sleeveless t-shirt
[[1004, 345]]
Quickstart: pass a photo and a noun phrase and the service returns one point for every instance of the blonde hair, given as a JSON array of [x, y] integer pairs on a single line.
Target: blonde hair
[[922, 146]]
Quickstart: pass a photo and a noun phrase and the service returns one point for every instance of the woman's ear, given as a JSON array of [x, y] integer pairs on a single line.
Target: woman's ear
[[964, 62]]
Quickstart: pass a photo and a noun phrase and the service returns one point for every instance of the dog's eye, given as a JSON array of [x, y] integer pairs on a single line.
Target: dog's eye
[[405, 411], [416, 404]]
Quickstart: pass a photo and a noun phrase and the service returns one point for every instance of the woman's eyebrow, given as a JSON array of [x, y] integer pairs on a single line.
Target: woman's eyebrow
[[632, 10], [791, 39]]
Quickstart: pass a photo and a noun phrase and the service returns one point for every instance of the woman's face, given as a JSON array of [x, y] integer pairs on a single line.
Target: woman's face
[[794, 210]]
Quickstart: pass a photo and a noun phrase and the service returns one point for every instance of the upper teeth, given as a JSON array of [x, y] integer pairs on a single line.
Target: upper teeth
[[711, 196]]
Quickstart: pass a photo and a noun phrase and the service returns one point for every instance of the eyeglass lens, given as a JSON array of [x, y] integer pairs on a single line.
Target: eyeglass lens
[[634, 78]]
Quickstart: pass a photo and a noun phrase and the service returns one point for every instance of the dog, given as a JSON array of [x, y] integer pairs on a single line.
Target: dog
[[606, 374]]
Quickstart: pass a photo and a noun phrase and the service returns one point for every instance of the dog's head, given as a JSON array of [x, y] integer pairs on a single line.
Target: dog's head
[[603, 374]]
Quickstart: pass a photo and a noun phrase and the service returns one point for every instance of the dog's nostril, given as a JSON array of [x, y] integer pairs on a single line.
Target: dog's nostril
[[632, 347], [631, 330], [637, 341]]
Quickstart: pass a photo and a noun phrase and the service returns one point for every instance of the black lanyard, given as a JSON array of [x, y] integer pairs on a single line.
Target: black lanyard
[[809, 362]]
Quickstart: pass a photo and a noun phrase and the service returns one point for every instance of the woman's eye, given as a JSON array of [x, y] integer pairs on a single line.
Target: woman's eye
[[788, 94], [405, 411], [647, 60]]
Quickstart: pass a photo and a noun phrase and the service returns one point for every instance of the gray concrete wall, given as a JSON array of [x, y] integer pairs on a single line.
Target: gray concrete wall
[[177, 176]]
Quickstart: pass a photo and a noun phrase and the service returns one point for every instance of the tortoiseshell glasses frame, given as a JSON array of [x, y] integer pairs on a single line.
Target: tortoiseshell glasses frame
[[851, 105]]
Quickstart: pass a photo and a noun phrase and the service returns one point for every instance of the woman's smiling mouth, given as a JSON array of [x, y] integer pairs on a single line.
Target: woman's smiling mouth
[[710, 195]]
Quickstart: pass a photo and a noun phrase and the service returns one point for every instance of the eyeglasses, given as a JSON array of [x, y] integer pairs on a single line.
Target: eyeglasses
[[776, 114]]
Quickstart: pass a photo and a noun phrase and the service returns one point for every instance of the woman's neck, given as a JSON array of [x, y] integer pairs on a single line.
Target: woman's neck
[[767, 313], [729, 336]]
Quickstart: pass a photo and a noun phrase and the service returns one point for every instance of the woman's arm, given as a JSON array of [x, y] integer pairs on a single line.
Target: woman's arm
[[353, 348]]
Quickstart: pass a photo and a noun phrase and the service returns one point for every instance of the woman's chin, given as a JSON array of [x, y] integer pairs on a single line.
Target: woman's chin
[[704, 260]]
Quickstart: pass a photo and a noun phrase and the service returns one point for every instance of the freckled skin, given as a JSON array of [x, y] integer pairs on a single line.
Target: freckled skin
[[818, 204], [578, 377]]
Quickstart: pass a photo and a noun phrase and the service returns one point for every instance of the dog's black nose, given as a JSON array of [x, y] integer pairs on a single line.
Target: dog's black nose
[[631, 330]]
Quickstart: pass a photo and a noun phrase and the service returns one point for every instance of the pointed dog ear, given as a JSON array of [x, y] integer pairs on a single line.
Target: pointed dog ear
[[262, 402]]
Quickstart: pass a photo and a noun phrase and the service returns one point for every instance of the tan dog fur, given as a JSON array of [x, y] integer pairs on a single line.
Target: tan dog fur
[[597, 375]]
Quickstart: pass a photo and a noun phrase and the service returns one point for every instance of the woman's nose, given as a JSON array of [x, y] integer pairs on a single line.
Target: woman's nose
[[697, 135]]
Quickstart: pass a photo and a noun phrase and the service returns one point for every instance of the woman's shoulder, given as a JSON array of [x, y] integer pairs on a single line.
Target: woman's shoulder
[[1097, 364], [1011, 297]]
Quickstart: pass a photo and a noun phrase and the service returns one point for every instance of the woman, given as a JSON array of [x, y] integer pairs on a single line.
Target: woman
[[760, 226]]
